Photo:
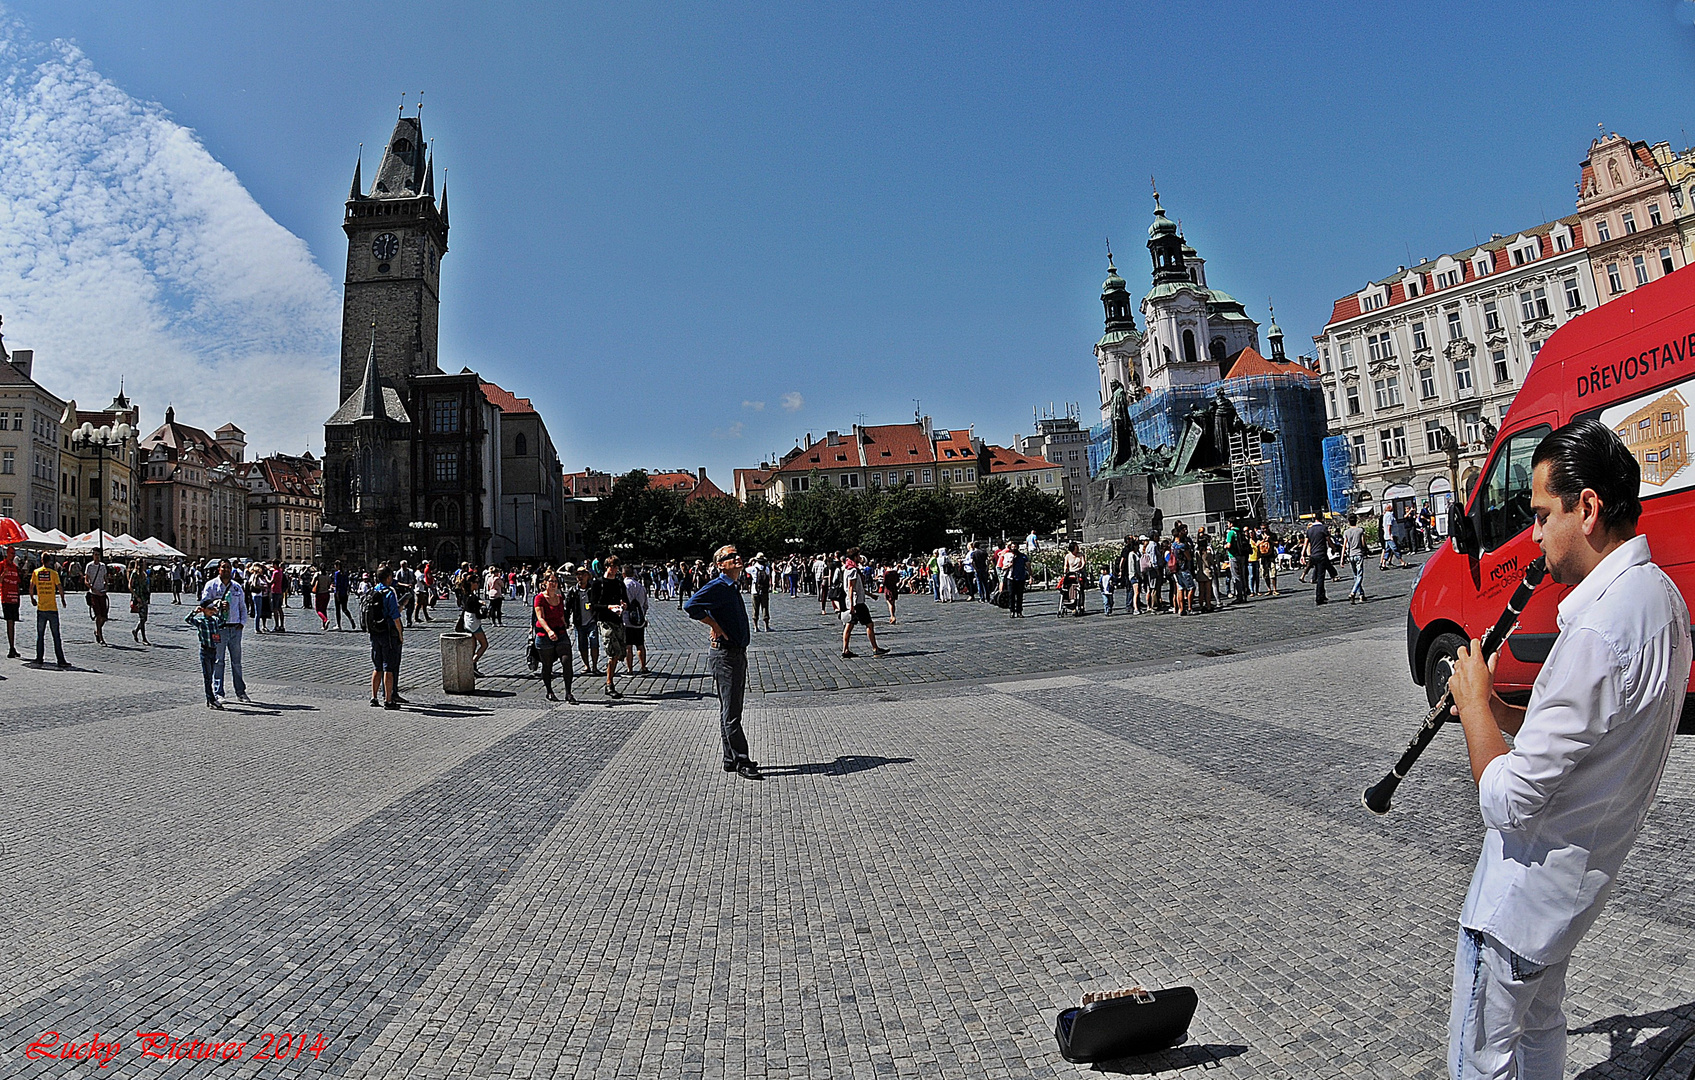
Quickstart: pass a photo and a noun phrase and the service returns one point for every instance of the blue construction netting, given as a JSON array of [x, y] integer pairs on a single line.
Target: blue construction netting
[[1339, 473], [1294, 477]]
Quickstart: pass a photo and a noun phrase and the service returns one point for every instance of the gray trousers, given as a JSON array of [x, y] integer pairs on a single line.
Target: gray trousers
[[729, 674]]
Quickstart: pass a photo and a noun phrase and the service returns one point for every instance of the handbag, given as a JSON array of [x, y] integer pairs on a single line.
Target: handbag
[[1124, 1023]]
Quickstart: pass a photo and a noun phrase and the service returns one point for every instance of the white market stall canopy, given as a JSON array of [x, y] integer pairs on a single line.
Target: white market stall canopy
[[110, 546]]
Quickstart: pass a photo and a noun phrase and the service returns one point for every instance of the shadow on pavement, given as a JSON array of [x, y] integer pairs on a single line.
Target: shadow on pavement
[[1635, 1055], [1182, 1057], [842, 766]]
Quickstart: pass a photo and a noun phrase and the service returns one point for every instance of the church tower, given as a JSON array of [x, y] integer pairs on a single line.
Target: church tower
[[396, 237], [1117, 353]]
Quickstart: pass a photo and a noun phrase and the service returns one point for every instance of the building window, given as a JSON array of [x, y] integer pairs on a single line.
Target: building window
[[447, 467], [1491, 316], [1426, 382], [1420, 342], [1473, 424], [1393, 442], [1614, 281], [1324, 359], [1353, 400], [1533, 304], [1603, 231], [1433, 436], [1527, 253], [909, 476], [1448, 278], [1359, 450], [1483, 265], [926, 476], [1498, 359], [8, 465], [1455, 332], [1330, 406], [851, 480], [1535, 347], [1462, 374], [444, 416], [1412, 287], [17, 421], [1665, 260], [1189, 354], [1653, 213], [1562, 242], [1629, 223], [1387, 391], [970, 476], [1346, 350], [1378, 347], [5, 506], [1574, 295], [520, 445], [877, 480], [1640, 265]]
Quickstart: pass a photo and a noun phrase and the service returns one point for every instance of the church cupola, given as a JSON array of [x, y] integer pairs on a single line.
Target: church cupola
[[1115, 298], [1275, 336], [1165, 246]]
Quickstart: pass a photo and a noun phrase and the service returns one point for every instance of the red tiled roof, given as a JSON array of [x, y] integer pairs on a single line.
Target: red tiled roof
[[1250, 362], [505, 400], [705, 489], [892, 444], [1002, 460], [672, 481], [753, 479], [958, 441]]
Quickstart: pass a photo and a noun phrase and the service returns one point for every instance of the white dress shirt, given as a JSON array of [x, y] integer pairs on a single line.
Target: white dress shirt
[[237, 596], [1564, 806]]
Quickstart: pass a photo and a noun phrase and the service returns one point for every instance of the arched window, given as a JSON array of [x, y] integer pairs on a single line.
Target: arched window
[[1189, 355], [450, 520], [520, 445], [1217, 349]]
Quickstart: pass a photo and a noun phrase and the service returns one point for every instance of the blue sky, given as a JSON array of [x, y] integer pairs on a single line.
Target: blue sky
[[668, 220]]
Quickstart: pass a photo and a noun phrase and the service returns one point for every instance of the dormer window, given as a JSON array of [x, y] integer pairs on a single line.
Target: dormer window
[[1371, 301], [1413, 287], [1483, 265], [1447, 279], [1562, 240], [1526, 253]]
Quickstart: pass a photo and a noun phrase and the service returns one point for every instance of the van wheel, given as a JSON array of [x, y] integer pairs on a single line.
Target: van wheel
[[1439, 664]]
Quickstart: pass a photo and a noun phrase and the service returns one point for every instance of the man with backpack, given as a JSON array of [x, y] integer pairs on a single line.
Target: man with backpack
[[1236, 542], [379, 616], [759, 584]]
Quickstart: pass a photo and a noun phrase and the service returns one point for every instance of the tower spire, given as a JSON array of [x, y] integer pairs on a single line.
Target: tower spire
[[430, 174], [371, 393], [444, 199], [358, 163]]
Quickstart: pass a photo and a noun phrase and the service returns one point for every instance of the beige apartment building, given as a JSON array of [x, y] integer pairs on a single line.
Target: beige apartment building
[[1624, 200], [31, 433]]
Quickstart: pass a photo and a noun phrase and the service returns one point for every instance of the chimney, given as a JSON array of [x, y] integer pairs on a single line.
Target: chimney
[[832, 438], [703, 474], [23, 360]]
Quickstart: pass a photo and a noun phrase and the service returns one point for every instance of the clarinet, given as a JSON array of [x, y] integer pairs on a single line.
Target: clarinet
[[1378, 796]]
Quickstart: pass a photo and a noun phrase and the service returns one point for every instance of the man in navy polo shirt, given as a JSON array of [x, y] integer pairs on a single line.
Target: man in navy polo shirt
[[719, 605]]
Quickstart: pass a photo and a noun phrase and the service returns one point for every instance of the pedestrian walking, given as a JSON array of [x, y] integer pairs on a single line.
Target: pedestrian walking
[[1353, 557], [719, 605], [635, 620], [552, 632], [1017, 577], [759, 587], [48, 594], [607, 598], [1318, 555], [279, 585], [176, 582], [322, 583], [11, 582], [1236, 542], [342, 587], [226, 590], [856, 611], [99, 604], [1564, 804], [379, 617], [140, 597], [891, 588], [588, 633]]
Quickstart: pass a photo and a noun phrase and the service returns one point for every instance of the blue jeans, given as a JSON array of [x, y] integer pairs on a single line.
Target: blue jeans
[[1106, 600], [44, 619], [229, 639], [1506, 1017], [208, 657], [1356, 563]]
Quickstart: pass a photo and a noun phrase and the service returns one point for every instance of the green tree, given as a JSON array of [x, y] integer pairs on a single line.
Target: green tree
[[1002, 509], [650, 522], [906, 521]]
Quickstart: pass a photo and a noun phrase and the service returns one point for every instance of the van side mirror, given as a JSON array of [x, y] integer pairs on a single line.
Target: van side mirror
[[1463, 532]]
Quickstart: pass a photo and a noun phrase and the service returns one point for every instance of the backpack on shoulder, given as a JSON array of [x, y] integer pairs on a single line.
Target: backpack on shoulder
[[372, 618]]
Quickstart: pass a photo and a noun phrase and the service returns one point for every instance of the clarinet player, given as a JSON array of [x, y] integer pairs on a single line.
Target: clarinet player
[[1564, 804]]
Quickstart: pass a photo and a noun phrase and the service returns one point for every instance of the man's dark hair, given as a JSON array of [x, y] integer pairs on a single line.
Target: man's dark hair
[[384, 572], [1588, 454], [1353, 519]]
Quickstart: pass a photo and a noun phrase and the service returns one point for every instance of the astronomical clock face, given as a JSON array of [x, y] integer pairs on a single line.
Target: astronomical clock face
[[385, 246]]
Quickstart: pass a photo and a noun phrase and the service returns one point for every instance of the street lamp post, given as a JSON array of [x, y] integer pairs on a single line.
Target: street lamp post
[[103, 440]]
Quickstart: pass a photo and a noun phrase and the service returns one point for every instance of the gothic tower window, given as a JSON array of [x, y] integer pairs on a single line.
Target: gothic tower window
[[520, 445]]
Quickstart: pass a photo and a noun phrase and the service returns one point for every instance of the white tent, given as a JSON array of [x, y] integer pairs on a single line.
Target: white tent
[[159, 547], [38, 538], [110, 546]]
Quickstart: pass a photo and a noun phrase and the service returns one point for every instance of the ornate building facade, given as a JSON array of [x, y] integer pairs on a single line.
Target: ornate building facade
[[1624, 201], [1193, 333]]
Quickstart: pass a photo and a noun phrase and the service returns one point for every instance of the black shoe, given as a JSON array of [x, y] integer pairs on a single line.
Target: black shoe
[[729, 766], [12, 655], [375, 704], [749, 770], [550, 696], [64, 664], [612, 692], [393, 703], [847, 654], [398, 700], [210, 704], [879, 651]]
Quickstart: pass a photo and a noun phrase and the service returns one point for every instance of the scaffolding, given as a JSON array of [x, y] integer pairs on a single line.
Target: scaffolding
[[1288, 475], [1246, 460]]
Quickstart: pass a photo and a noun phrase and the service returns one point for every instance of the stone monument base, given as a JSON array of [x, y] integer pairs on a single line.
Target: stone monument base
[[1195, 504], [1116, 507]]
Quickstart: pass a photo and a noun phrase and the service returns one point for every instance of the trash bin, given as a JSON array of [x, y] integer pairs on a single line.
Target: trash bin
[[456, 666]]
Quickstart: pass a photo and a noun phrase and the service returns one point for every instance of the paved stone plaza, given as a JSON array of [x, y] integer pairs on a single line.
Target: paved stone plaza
[[952, 843]]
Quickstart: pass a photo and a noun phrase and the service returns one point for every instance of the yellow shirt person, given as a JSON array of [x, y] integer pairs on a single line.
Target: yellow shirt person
[[45, 584]]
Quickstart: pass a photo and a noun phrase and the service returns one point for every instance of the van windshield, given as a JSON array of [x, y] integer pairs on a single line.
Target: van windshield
[[1503, 506]]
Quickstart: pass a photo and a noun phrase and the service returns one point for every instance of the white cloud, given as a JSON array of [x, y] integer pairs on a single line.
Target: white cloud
[[792, 401], [127, 251], [734, 431], [756, 406]]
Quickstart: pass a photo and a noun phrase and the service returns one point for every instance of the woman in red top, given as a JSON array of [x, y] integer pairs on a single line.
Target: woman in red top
[[551, 624]]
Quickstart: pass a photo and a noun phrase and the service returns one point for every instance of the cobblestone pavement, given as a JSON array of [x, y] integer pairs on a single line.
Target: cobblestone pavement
[[952, 844]]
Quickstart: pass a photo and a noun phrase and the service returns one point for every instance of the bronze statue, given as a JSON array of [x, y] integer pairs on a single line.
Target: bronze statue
[[1124, 450]]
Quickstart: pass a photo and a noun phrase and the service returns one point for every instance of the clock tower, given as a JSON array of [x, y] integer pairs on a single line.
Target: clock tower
[[396, 238]]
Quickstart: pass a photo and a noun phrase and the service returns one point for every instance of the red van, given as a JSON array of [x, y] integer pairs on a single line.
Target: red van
[[1630, 362]]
